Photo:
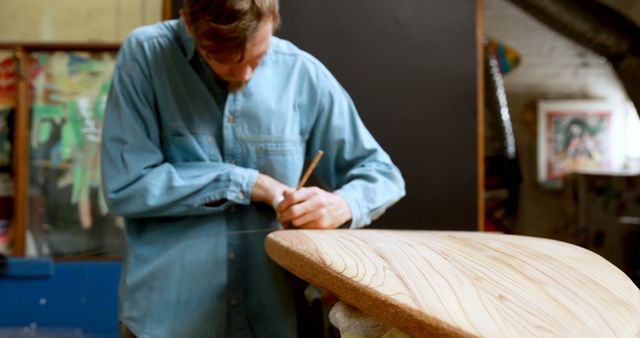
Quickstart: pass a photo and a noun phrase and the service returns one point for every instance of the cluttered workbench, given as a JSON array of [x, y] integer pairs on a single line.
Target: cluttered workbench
[[459, 284]]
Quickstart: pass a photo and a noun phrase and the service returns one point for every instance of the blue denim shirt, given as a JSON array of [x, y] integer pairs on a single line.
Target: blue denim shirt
[[193, 270]]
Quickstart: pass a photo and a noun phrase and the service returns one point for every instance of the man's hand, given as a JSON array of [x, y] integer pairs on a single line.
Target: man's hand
[[267, 190], [313, 208]]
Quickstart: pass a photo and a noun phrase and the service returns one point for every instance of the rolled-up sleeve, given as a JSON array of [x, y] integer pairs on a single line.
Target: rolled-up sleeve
[[354, 165], [137, 181]]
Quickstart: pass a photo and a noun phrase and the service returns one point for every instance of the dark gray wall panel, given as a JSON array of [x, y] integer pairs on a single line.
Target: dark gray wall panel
[[410, 66]]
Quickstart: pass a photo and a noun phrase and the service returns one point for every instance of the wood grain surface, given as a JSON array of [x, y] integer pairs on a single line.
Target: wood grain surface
[[429, 283]]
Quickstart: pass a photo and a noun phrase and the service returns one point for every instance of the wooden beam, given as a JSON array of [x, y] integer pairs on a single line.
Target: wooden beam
[[480, 86], [21, 154], [167, 9]]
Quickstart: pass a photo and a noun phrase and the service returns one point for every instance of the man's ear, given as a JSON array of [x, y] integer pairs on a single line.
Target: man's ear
[[187, 22]]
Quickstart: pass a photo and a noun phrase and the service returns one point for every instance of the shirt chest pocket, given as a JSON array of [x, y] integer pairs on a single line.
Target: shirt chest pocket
[[282, 160], [182, 146]]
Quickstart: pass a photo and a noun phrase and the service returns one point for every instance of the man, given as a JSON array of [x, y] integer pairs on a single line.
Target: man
[[208, 124]]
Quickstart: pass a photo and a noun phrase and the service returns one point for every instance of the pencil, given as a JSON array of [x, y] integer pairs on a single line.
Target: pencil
[[312, 166]]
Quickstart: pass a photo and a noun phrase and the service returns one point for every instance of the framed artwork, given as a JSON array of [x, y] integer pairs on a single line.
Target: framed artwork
[[575, 135], [68, 214], [56, 94]]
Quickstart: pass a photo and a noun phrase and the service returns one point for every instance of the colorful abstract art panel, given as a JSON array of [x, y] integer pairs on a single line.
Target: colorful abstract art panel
[[69, 91]]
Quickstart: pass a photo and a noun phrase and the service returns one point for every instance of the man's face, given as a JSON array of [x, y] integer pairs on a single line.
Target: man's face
[[238, 73]]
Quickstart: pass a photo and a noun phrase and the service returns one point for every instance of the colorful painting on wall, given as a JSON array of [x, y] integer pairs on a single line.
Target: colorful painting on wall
[[69, 96], [573, 136]]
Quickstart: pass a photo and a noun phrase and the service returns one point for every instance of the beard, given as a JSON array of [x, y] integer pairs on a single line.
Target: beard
[[235, 86], [231, 84]]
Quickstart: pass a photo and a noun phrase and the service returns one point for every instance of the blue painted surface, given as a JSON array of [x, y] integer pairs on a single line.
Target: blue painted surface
[[13, 267], [79, 297]]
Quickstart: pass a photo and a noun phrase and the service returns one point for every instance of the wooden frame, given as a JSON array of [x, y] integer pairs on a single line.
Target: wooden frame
[[21, 130], [170, 9], [166, 9]]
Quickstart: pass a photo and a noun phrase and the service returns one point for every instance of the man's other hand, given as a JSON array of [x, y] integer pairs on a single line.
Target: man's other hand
[[313, 208], [267, 190]]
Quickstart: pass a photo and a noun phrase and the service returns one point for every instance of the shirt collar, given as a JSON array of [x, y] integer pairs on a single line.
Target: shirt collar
[[187, 40]]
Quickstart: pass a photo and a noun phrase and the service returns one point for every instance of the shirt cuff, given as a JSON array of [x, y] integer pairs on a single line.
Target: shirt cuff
[[359, 217], [241, 185]]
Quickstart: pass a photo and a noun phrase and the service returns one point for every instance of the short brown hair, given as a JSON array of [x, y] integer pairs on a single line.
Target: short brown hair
[[223, 27]]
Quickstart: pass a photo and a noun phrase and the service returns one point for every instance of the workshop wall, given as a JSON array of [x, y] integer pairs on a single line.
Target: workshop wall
[[552, 66], [75, 20]]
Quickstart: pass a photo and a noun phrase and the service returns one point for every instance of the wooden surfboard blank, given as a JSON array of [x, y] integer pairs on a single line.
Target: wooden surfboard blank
[[433, 283]]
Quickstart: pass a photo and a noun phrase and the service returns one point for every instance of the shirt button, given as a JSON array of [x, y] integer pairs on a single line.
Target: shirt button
[[232, 255], [210, 140], [231, 119], [233, 301], [233, 162]]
